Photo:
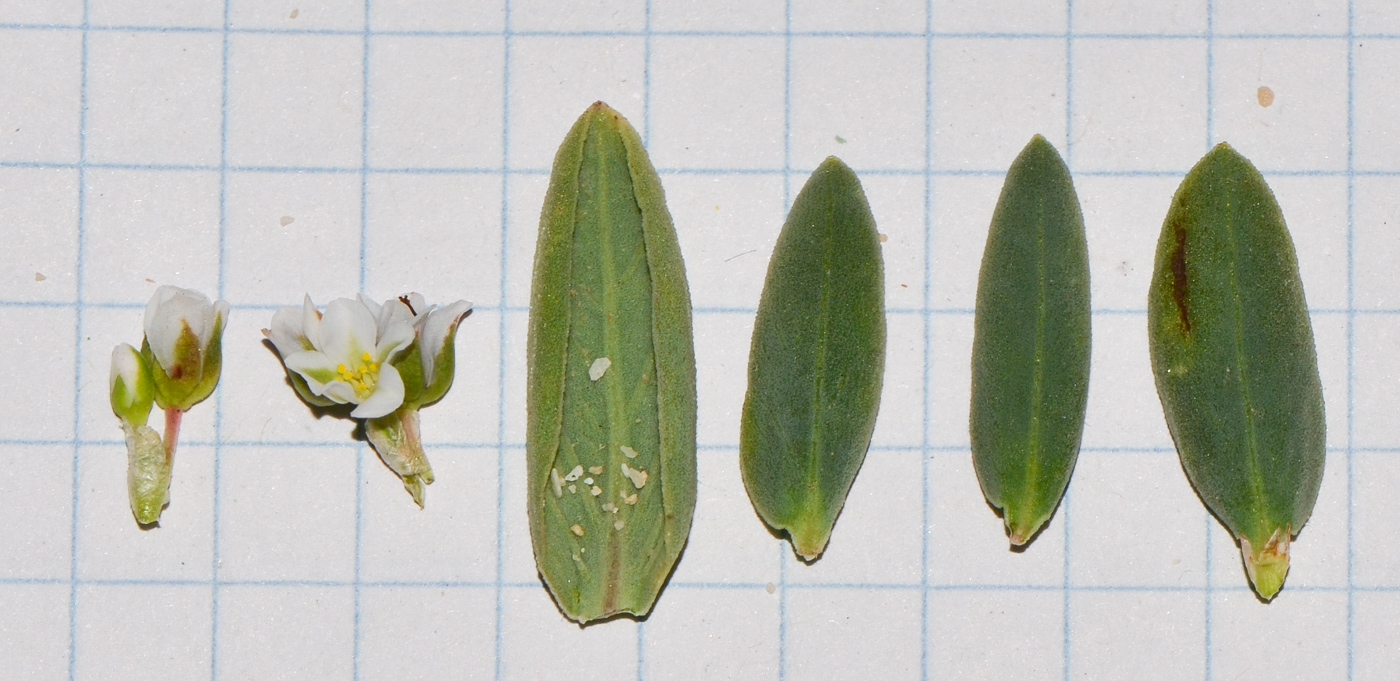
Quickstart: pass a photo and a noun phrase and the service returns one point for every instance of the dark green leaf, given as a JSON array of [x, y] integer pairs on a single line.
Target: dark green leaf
[[1232, 352], [1030, 354], [816, 362]]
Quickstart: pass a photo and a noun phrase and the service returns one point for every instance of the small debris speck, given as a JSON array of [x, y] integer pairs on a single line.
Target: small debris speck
[[295, 12], [610, 507], [573, 489], [595, 490], [599, 367], [39, 276], [636, 475], [769, 587], [884, 238], [840, 139], [576, 529], [617, 524], [588, 481], [596, 470], [1266, 96], [574, 474], [628, 452], [286, 220]]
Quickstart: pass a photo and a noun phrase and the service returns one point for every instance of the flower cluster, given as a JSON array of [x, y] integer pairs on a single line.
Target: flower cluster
[[383, 361], [177, 367]]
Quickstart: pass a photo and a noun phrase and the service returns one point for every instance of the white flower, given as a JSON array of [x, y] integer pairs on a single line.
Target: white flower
[[344, 355], [389, 359], [184, 333]]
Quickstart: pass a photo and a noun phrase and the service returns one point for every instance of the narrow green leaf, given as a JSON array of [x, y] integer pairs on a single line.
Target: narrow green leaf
[[612, 458], [1232, 352], [1030, 351], [817, 361]]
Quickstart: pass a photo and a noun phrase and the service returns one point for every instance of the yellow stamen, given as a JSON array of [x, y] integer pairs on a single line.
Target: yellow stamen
[[362, 377]]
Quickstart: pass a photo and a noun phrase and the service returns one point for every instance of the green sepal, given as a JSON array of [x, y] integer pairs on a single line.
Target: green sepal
[[444, 369], [1234, 360], [1030, 350], [399, 443], [816, 363], [195, 373], [410, 366]]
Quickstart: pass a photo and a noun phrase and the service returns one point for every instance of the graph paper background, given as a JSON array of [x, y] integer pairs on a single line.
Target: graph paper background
[[146, 143]]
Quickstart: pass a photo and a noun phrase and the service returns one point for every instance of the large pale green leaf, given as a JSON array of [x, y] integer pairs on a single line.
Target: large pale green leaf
[[1030, 352], [817, 361], [1232, 352], [611, 387]]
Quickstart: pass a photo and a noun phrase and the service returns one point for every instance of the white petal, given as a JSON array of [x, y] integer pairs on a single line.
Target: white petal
[[387, 395], [314, 366], [341, 392], [347, 331], [433, 335], [396, 337], [220, 319], [310, 322], [394, 312], [370, 305], [126, 365], [169, 310], [286, 334]]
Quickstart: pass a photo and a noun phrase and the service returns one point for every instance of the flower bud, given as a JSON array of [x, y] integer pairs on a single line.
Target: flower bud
[[131, 386], [184, 334]]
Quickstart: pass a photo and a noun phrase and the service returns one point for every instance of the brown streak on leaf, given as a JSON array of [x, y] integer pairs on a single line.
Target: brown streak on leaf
[[1179, 289]]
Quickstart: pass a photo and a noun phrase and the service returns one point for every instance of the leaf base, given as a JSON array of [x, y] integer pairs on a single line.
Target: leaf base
[[1268, 566]]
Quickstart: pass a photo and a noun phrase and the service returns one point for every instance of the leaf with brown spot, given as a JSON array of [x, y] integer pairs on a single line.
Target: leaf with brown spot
[[1238, 375]]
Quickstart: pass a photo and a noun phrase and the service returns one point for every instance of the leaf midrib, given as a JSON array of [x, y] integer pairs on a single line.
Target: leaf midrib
[[1033, 444], [612, 348], [814, 446], [1242, 368]]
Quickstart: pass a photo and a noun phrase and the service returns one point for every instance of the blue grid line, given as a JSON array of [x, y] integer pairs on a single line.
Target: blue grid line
[[1239, 589], [787, 205], [1207, 602], [1064, 505], [696, 171], [498, 644], [356, 630], [927, 378], [216, 535], [492, 446], [1351, 341], [80, 281], [520, 446], [697, 311], [646, 141], [702, 171], [708, 33]]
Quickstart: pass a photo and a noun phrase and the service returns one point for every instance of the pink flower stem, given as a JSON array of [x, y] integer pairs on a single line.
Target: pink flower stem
[[172, 431]]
